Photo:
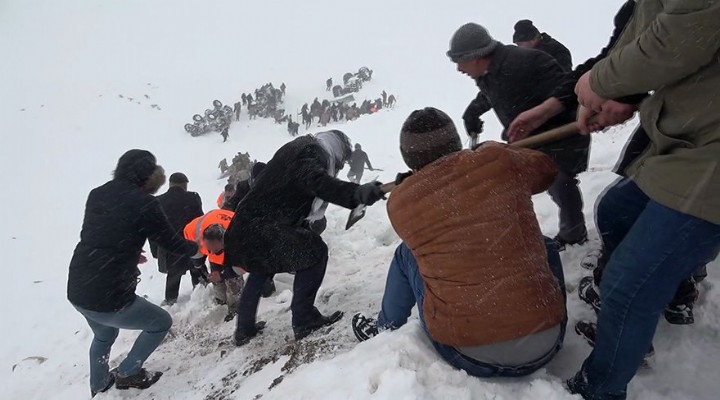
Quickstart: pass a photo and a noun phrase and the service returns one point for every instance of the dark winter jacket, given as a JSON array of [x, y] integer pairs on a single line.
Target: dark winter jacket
[[519, 79], [358, 159], [557, 50], [180, 207], [566, 91], [267, 234], [242, 188], [119, 218]]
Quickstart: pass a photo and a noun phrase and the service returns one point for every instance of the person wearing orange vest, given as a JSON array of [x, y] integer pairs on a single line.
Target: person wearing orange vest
[[208, 232], [225, 195]]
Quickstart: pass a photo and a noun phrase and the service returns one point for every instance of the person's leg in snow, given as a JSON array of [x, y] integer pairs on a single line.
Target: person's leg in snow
[[566, 194], [233, 287], [139, 315], [103, 339], [640, 279], [404, 289], [306, 318], [247, 327]]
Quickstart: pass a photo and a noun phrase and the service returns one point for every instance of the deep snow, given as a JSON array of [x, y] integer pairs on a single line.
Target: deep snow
[[67, 63]]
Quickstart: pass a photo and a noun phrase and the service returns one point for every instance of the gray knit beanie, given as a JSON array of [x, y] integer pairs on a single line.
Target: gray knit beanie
[[471, 41], [426, 136]]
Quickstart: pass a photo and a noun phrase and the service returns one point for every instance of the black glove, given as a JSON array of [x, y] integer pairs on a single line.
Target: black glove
[[369, 193], [401, 177], [471, 118], [199, 262]]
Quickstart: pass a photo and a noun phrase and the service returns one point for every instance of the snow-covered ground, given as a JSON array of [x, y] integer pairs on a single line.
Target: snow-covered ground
[[69, 71]]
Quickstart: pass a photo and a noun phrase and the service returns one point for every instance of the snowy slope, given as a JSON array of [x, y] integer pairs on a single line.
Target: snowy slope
[[67, 64]]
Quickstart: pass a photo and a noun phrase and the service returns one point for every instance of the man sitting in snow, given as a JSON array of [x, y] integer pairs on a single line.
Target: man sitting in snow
[[489, 288]]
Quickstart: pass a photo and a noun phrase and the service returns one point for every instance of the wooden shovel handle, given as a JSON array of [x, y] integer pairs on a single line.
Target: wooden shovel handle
[[552, 135]]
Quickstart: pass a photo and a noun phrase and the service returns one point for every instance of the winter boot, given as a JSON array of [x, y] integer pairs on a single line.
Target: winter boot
[[230, 316], [142, 380], [363, 327], [110, 384], [680, 309], [324, 320], [588, 331], [242, 338], [563, 243], [269, 288], [589, 293]]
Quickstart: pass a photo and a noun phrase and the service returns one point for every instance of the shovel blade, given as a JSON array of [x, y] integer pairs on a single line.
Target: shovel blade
[[355, 215]]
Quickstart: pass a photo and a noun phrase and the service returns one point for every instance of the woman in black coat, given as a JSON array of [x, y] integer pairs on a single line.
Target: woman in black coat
[[119, 217]]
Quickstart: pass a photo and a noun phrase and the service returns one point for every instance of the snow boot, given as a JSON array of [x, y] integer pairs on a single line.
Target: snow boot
[[242, 338], [269, 288], [110, 384], [363, 327], [680, 309], [142, 380], [561, 243], [324, 320], [589, 293], [588, 331]]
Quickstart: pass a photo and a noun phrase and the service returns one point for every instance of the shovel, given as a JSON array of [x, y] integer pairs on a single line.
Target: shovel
[[552, 135]]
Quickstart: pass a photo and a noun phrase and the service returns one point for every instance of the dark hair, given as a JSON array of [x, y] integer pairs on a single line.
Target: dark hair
[[214, 232], [135, 166]]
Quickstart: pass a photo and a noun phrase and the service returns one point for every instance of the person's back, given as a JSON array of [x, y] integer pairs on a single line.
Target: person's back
[[557, 50], [358, 160], [180, 206], [479, 235]]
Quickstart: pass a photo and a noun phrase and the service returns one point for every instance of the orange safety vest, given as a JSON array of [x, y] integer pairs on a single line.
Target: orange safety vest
[[193, 231], [221, 200]]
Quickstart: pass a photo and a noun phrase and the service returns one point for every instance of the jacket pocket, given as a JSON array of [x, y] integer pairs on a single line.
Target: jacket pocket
[[665, 141]]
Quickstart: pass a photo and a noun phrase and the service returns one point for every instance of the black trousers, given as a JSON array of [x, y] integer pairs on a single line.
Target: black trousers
[[176, 266], [566, 194], [305, 288]]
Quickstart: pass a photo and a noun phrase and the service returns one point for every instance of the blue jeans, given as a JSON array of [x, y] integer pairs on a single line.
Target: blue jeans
[[138, 315], [404, 289], [653, 249]]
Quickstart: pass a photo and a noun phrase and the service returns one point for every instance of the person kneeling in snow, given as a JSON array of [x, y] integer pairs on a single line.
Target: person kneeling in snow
[[119, 217], [489, 287], [271, 231], [208, 231]]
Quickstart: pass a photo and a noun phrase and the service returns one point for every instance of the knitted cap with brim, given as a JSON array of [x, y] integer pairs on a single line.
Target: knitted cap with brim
[[524, 31], [426, 136], [471, 41]]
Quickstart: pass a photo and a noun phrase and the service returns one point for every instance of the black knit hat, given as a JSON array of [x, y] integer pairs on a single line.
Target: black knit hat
[[524, 31], [427, 135], [135, 166], [178, 178]]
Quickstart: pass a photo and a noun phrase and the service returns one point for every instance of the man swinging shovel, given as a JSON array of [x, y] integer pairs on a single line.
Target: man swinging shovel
[[533, 141]]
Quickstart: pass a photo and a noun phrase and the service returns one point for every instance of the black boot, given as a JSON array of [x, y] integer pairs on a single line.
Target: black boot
[[363, 327], [142, 380], [268, 288], [680, 309], [305, 330], [108, 387], [242, 337], [588, 292]]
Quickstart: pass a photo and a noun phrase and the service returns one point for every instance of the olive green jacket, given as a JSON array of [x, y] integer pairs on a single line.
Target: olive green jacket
[[672, 49]]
